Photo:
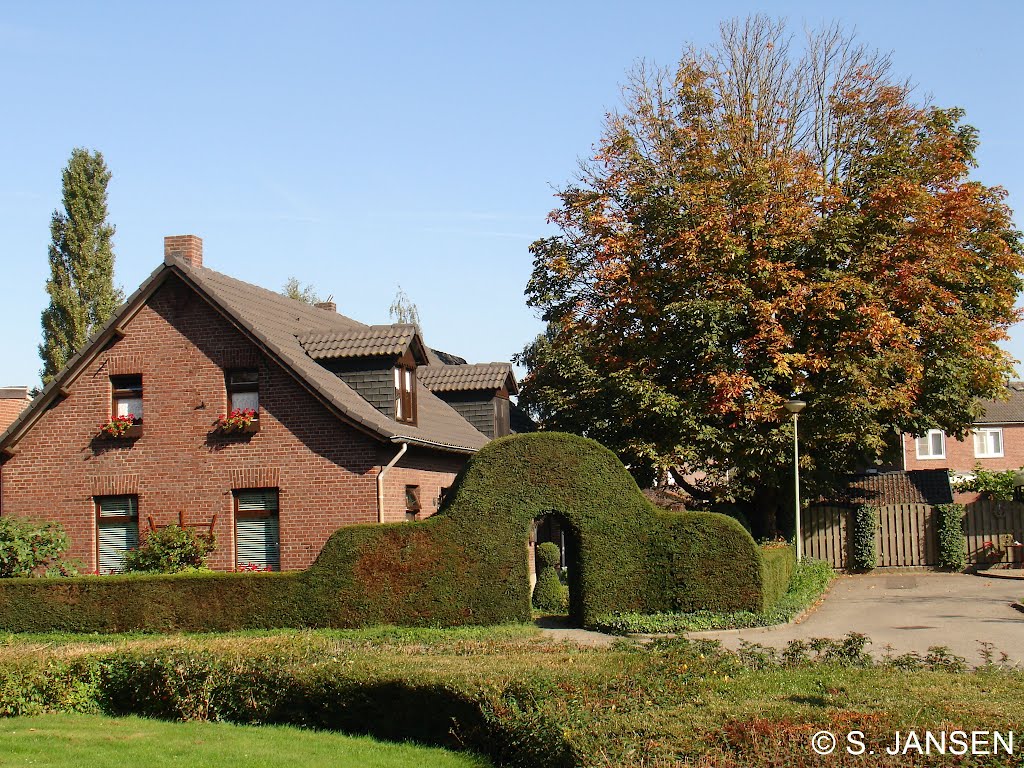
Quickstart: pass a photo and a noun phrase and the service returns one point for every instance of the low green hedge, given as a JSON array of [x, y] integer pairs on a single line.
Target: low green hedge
[[389, 702], [809, 581], [777, 564], [464, 565]]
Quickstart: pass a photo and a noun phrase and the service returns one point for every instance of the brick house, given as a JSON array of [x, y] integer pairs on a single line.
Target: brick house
[[346, 427], [996, 441]]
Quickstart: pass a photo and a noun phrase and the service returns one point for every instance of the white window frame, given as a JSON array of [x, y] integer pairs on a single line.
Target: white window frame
[[927, 437], [985, 433]]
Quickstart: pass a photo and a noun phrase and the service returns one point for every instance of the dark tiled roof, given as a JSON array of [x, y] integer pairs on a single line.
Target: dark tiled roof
[[1008, 411], [459, 378], [362, 342], [437, 357], [276, 322], [918, 486], [279, 322]]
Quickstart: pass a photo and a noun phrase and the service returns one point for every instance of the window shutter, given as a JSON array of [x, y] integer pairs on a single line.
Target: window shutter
[[262, 500], [257, 538], [118, 531]]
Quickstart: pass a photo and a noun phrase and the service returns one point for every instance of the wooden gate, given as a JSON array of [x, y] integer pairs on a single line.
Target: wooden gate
[[907, 536], [995, 522], [826, 534]]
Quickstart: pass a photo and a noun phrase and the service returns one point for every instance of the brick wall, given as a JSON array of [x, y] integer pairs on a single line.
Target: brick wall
[[960, 453], [430, 471], [325, 470]]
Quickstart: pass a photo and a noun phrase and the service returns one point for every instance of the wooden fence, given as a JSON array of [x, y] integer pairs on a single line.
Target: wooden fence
[[907, 534]]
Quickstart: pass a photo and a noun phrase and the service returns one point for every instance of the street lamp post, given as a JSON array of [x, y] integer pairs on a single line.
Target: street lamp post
[[794, 407]]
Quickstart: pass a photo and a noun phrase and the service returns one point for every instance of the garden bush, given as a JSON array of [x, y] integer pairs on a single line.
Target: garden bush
[[171, 549], [864, 548], [31, 548], [464, 565], [549, 593], [952, 542]]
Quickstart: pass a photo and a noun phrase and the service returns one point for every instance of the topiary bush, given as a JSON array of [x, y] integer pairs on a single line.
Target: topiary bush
[[549, 594], [171, 549], [31, 548], [464, 565], [863, 546], [952, 542]]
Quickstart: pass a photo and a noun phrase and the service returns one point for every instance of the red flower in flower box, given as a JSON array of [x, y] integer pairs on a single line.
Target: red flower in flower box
[[122, 427], [240, 420]]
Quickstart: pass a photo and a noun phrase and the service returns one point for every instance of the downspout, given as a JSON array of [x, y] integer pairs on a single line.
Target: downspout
[[380, 481]]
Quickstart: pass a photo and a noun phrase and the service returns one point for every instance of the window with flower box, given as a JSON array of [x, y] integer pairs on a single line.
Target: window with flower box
[[125, 407], [117, 531], [243, 414]]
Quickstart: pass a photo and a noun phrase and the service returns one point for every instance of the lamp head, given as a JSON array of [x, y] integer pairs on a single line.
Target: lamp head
[[795, 406]]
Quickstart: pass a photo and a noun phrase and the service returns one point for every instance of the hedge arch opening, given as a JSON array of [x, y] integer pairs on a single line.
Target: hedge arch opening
[[555, 528]]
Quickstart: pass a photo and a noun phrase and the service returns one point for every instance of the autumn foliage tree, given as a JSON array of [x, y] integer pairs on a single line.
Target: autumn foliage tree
[[767, 220]]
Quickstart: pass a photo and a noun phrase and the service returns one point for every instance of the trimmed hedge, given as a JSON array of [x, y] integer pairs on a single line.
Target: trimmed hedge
[[464, 565], [864, 548], [497, 718], [952, 542], [777, 564]]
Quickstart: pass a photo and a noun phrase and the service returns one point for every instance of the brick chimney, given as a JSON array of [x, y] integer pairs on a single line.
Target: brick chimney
[[330, 306], [185, 247]]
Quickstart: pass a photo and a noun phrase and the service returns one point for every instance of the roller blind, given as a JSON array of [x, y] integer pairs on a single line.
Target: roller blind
[[257, 534], [118, 531]]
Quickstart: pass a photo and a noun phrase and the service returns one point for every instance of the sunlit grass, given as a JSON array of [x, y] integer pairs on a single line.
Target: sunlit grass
[[73, 741]]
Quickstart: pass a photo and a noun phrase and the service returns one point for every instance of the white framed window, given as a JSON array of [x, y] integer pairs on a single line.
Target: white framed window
[[988, 442], [932, 445]]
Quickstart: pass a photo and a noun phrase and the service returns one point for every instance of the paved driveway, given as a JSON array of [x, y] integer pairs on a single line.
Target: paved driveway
[[909, 611]]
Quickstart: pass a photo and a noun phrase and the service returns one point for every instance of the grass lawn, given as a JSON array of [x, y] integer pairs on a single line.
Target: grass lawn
[[73, 741]]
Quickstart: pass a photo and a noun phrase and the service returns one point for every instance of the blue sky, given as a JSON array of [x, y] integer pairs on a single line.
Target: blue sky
[[358, 146]]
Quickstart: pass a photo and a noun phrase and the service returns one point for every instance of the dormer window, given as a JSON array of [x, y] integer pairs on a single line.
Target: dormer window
[[244, 390], [405, 394], [127, 397]]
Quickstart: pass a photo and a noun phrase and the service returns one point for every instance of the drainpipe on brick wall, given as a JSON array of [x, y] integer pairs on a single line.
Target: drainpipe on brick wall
[[380, 481]]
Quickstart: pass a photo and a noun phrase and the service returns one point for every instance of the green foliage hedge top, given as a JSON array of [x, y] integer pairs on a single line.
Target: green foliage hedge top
[[465, 565]]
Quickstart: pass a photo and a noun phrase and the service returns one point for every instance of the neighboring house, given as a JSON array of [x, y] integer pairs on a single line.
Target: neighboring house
[[996, 440], [347, 429], [13, 400]]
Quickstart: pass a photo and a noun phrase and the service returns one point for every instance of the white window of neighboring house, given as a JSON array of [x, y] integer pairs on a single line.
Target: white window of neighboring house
[[117, 523], [257, 532], [988, 442], [932, 445]]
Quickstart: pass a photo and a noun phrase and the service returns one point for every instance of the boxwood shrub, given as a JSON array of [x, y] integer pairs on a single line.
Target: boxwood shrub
[[464, 565]]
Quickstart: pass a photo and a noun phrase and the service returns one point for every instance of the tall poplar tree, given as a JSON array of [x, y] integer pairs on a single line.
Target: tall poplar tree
[[81, 283]]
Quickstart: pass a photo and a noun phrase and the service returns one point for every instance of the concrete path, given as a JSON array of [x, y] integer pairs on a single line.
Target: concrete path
[[910, 611]]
